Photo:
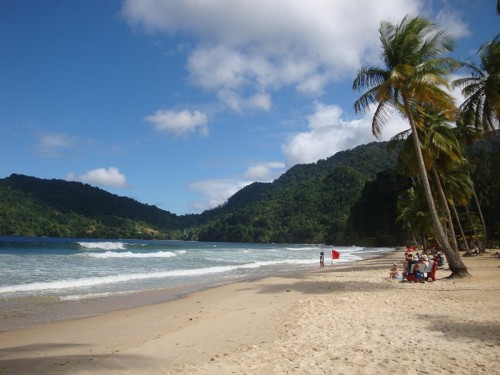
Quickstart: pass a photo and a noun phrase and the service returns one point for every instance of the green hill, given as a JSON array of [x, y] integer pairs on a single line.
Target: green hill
[[310, 203], [345, 199], [35, 207]]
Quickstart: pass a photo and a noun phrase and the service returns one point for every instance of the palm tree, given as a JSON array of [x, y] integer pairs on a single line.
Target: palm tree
[[481, 108], [459, 187], [413, 214], [441, 152], [482, 89], [446, 155], [412, 77]]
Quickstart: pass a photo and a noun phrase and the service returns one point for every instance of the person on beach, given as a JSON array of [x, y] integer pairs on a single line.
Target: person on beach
[[439, 258], [322, 259], [418, 273], [424, 260], [407, 265], [420, 264], [393, 272]]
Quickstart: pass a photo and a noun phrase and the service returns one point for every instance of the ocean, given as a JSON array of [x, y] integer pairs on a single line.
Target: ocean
[[46, 279]]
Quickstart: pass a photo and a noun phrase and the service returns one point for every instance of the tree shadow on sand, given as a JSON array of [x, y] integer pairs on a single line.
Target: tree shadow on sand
[[459, 330], [35, 359], [321, 287]]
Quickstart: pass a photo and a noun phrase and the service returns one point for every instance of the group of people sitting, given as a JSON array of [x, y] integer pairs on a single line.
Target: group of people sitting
[[418, 268]]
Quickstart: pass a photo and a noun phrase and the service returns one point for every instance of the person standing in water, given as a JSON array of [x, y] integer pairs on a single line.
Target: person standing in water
[[322, 259]]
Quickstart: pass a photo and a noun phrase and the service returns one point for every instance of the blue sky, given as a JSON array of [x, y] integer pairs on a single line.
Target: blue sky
[[181, 103]]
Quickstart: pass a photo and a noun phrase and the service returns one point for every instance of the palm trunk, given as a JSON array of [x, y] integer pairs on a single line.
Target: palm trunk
[[414, 239], [457, 219], [472, 224], [483, 223], [457, 267], [444, 203]]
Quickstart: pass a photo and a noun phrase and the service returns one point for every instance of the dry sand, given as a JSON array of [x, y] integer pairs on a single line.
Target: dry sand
[[345, 320]]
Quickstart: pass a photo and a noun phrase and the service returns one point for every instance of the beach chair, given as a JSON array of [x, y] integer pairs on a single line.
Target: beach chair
[[412, 274], [430, 271], [421, 272]]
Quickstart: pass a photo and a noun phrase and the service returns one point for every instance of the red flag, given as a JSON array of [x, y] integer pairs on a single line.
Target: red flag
[[335, 254]]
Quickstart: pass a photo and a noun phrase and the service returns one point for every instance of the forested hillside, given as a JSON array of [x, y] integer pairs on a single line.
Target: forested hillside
[[309, 203], [373, 218], [35, 207], [351, 197]]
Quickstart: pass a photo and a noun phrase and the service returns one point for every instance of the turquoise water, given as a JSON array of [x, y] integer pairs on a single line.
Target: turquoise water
[[46, 269], [83, 268]]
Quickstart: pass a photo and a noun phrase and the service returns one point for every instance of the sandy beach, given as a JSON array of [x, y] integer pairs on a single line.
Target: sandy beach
[[347, 319]]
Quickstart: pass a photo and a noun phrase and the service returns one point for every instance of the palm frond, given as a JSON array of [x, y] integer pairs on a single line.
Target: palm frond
[[380, 117]]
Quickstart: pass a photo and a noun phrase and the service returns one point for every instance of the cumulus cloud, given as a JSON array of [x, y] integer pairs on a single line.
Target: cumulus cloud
[[328, 132], [101, 177], [215, 192], [455, 91], [53, 144], [259, 101], [245, 48], [179, 123], [264, 172], [449, 19]]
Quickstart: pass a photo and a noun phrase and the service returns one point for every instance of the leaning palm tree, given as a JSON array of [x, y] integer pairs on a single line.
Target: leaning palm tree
[[446, 153], [482, 89], [441, 152], [412, 79], [481, 109], [459, 187], [413, 214]]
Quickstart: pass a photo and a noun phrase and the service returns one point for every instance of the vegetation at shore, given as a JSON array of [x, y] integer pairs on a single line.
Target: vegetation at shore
[[414, 82], [351, 197]]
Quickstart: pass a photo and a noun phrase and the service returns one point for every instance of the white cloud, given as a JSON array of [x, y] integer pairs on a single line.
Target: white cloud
[[449, 19], [329, 133], [215, 192], [261, 101], [249, 47], [264, 171], [101, 177], [234, 101], [52, 144], [179, 123], [456, 92]]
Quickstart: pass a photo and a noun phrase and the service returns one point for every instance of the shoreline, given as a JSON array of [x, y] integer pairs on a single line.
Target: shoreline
[[45, 310], [349, 319]]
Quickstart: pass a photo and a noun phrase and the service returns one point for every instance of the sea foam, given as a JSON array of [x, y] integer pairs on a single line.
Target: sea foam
[[103, 245], [129, 254], [94, 281]]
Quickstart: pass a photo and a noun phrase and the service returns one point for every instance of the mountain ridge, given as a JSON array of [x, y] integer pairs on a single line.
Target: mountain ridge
[[350, 197], [54, 207]]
